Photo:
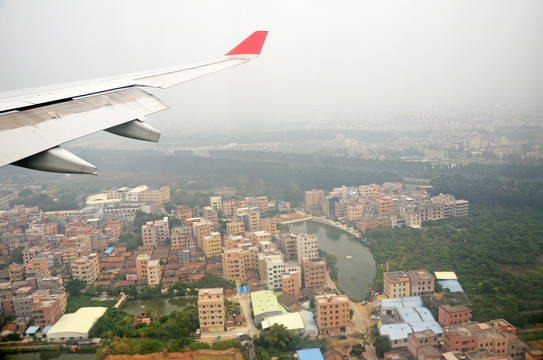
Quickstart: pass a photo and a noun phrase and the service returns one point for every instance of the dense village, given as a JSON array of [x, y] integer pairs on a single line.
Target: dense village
[[277, 277]]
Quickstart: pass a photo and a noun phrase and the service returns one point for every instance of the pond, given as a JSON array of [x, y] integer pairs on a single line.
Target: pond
[[163, 305], [356, 266]]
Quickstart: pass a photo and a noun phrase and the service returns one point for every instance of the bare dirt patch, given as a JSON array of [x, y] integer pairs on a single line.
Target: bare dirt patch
[[231, 354]]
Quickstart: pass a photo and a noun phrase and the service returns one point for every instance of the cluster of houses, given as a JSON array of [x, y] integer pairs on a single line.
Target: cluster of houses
[[386, 205]]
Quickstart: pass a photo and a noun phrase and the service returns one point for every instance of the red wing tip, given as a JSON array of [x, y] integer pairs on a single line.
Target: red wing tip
[[252, 45]]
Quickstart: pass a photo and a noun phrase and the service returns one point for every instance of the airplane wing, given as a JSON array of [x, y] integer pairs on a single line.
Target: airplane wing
[[32, 126]]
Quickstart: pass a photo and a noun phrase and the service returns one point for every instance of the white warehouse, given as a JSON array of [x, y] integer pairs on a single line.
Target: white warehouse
[[75, 326]]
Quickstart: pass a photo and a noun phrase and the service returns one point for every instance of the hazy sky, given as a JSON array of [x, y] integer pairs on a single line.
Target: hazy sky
[[322, 58]]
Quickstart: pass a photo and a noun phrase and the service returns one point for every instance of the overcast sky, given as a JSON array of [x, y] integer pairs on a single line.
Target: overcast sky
[[322, 58]]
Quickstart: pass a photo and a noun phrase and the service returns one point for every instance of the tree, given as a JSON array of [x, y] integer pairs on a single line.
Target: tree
[[75, 287], [357, 350], [16, 255], [382, 345]]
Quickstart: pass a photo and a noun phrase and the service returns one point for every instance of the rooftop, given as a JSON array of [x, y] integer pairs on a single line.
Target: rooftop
[[264, 301], [211, 291], [79, 322]]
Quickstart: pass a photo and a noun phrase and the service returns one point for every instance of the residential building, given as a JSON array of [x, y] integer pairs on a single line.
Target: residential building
[[269, 225], [86, 268], [183, 213], [211, 311], [201, 229], [153, 272], [274, 268], [314, 274], [16, 272], [420, 339], [262, 203], [332, 314], [229, 207], [46, 310], [216, 202], [212, 244], [235, 228], [160, 196], [211, 216], [288, 246], [254, 219], [450, 315], [291, 283], [181, 237], [306, 246], [141, 265], [312, 199], [421, 282], [396, 284]]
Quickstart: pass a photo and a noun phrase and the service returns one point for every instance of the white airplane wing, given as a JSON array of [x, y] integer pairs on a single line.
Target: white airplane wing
[[33, 126]]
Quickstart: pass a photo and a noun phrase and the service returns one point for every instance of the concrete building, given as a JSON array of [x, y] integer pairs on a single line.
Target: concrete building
[[75, 326], [292, 321], [229, 207], [16, 272], [181, 238], [274, 268], [292, 283], [211, 216], [235, 228], [134, 194], [47, 310], [421, 282], [86, 268], [153, 272], [262, 203], [332, 314], [450, 315], [183, 213], [211, 311], [314, 274], [160, 196], [201, 229], [306, 246], [418, 340], [312, 199], [216, 202], [396, 284], [269, 225], [141, 265], [288, 246], [155, 231], [212, 244], [254, 219]]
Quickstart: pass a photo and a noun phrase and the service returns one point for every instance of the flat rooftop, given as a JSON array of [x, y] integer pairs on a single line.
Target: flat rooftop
[[211, 291]]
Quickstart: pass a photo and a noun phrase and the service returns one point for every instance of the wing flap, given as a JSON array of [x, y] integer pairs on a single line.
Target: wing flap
[[47, 126]]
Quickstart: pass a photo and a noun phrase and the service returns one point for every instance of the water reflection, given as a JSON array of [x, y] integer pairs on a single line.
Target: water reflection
[[356, 267]]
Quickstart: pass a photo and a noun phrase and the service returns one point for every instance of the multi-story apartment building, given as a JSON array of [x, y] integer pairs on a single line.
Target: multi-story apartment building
[[332, 314], [396, 284], [384, 205], [211, 216], [216, 202], [355, 212], [314, 273], [254, 219], [232, 241], [233, 265], [183, 213], [211, 312], [154, 231], [229, 207], [86, 268], [306, 246], [312, 199], [16, 272], [6, 198], [269, 225], [288, 246], [258, 236], [421, 282], [201, 229], [417, 340], [118, 194], [274, 268], [450, 315], [181, 237], [212, 244], [262, 203], [291, 283], [474, 336], [153, 272], [46, 310], [235, 228], [141, 265]]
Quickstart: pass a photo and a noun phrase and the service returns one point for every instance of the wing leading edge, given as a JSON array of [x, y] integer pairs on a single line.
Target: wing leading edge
[[32, 126]]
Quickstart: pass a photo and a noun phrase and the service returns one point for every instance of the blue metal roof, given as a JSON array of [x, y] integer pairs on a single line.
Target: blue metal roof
[[310, 354], [244, 289], [451, 285], [32, 330], [46, 328], [109, 250]]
